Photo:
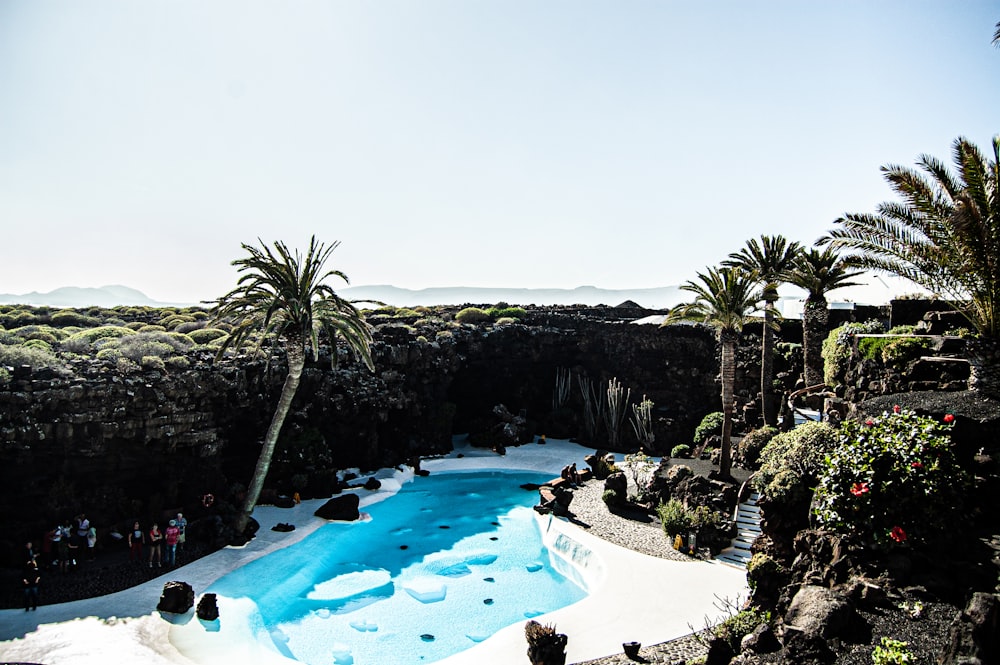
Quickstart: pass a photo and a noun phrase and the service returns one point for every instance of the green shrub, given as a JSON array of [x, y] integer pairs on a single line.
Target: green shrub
[[38, 344], [901, 351], [505, 321], [69, 317], [110, 354], [4, 376], [892, 479], [506, 312], [43, 332], [83, 341], [612, 498], [674, 517], [177, 363], [738, 626], [473, 315], [172, 321], [36, 358], [892, 652], [710, 424], [760, 567], [206, 335], [444, 335], [135, 325], [837, 348], [681, 450], [152, 328], [802, 450], [748, 452], [152, 362]]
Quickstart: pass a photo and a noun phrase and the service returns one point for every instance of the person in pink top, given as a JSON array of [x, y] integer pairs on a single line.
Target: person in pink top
[[170, 537]]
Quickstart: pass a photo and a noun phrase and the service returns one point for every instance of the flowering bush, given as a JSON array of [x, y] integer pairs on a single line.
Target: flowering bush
[[892, 479]]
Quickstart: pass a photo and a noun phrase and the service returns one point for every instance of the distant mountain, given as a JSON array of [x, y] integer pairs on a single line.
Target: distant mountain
[[653, 298], [76, 296]]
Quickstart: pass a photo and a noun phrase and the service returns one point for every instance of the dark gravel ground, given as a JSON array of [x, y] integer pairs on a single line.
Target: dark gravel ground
[[110, 571]]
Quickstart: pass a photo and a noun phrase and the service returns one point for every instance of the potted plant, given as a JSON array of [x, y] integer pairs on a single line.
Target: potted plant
[[545, 646]]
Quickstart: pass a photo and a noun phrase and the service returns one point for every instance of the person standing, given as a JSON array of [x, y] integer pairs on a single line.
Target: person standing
[[171, 535], [91, 543], [135, 540], [155, 546], [182, 524], [31, 577]]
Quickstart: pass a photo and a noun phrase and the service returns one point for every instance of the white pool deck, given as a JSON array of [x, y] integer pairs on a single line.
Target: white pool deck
[[632, 596]]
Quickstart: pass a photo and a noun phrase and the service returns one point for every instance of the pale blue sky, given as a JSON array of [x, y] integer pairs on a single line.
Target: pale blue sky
[[622, 144]]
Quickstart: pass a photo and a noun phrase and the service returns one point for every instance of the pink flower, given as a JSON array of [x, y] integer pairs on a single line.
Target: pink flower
[[898, 534], [917, 465], [859, 489], [948, 418], [895, 408], [870, 422]]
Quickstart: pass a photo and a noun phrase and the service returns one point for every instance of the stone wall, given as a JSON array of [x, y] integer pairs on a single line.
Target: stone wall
[[147, 444]]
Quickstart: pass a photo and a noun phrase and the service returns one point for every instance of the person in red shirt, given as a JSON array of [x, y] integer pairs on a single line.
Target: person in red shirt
[[171, 536]]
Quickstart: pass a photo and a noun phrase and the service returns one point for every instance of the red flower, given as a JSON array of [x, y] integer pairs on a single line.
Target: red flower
[[898, 534], [948, 418], [859, 489], [869, 422], [895, 408], [917, 465]]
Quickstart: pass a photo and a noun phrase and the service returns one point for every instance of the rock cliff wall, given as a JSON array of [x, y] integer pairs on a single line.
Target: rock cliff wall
[[143, 445]]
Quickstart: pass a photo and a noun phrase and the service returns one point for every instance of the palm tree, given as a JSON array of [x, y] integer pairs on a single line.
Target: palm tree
[[283, 295], [724, 299], [771, 260], [945, 237], [817, 272]]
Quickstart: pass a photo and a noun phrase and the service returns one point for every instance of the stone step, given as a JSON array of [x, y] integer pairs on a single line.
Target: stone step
[[749, 526], [750, 508], [748, 517]]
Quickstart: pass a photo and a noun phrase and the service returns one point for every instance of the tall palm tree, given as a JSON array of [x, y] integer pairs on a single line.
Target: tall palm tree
[[723, 299], [945, 237], [283, 295], [771, 260], [818, 272]]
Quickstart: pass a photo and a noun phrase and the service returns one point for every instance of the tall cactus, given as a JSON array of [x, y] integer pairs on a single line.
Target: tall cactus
[[560, 394], [593, 407], [615, 410], [642, 422]]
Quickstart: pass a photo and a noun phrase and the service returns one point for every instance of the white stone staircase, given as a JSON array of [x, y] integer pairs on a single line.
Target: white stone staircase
[[747, 530]]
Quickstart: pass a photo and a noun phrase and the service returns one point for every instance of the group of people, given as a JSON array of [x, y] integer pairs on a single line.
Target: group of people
[[67, 542], [570, 473], [172, 538]]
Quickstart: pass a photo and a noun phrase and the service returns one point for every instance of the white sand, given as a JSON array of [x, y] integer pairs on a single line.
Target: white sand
[[632, 596]]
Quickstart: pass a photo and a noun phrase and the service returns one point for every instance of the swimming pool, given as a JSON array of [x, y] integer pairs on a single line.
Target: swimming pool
[[444, 564]]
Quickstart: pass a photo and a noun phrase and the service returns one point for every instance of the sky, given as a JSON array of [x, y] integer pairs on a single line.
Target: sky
[[497, 143]]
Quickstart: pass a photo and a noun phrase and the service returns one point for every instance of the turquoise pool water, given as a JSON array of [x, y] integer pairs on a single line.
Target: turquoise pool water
[[444, 564]]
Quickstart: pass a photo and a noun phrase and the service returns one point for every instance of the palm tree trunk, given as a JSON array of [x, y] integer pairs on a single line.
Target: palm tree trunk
[[984, 365], [815, 321], [296, 362], [728, 371], [768, 406]]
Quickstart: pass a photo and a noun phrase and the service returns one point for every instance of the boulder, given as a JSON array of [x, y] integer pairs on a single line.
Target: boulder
[[208, 609], [761, 640], [373, 484], [816, 611], [177, 598], [342, 508], [617, 482], [974, 636]]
